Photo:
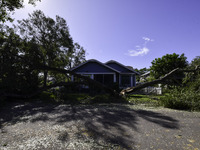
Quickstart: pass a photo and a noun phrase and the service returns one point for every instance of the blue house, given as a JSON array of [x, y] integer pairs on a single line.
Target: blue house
[[107, 73]]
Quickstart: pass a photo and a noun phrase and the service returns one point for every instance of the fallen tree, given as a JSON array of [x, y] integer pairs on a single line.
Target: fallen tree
[[163, 79], [62, 71], [89, 81]]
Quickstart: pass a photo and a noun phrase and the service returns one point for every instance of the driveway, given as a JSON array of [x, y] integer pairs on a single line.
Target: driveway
[[38, 125]]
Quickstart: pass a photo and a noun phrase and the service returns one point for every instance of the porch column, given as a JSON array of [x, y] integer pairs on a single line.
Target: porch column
[[72, 78], [119, 79], [134, 80], [114, 79], [92, 76], [131, 80]]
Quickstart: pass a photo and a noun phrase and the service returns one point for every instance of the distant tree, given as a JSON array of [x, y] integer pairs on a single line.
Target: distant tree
[[161, 66], [141, 71], [192, 76], [195, 62], [8, 6]]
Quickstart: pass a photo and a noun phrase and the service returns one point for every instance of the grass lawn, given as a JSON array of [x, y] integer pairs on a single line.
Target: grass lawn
[[147, 100]]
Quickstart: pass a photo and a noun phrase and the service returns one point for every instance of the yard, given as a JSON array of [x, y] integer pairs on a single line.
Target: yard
[[38, 125]]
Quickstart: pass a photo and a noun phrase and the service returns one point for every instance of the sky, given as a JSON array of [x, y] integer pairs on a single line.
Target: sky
[[132, 32]]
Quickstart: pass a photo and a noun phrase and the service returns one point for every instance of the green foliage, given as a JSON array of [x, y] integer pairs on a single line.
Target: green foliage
[[52, 37], [15, 76], [53, 44], [42, 41], [162, 66], [195, 62], [187, 97], [8, 6], [47, 97], [141, 71], [105, 98], [191, 76], [65, 96]]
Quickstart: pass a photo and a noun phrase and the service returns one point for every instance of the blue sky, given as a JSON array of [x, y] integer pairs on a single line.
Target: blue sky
[[133, 32]]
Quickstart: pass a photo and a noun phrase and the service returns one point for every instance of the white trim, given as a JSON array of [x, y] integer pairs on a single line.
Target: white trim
[[131, 80], [72, 78], [113, 61], [94, 60], [135, 81], [127, 73], [92, 76], [119, 79], [114, 78]]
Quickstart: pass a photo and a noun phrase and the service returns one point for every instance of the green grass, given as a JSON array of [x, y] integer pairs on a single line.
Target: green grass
[[147, 100], [84, 98], [88, 99]]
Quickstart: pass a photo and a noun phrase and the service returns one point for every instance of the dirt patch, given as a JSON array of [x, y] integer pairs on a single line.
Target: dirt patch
[[41, 126]]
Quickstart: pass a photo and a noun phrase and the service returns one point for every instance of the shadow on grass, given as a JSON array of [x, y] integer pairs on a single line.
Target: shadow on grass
[[114, 124]]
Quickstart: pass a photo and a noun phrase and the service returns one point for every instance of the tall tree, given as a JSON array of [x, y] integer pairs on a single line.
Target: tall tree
[[192, 76], [52, 36], [168, 62], [56, 47]]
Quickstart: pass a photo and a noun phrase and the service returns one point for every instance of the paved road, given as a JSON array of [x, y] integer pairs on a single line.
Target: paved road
[[41, 126]]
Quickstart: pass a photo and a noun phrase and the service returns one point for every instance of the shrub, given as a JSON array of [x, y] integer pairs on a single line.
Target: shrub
[[47, 96], [106, 98], [186, 98], [74, 98]]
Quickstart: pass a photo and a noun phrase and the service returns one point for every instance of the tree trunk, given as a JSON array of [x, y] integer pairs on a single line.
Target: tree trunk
[[160, 80], [45, 78]]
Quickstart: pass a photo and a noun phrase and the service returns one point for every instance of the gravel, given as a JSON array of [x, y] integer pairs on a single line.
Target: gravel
[[37, 125]]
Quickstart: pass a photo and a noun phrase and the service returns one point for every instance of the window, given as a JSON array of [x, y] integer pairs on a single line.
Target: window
[[106, 79], [125, 80]]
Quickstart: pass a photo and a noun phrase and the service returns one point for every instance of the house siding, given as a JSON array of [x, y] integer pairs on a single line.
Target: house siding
[[93, 67]]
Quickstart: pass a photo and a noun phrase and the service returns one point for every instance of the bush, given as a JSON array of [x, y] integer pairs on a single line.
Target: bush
[[47, 97], [106, 98], [185, 98], [74, 98]]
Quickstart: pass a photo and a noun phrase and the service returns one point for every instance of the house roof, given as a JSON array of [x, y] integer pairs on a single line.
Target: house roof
[[126, 67], [94, 60]]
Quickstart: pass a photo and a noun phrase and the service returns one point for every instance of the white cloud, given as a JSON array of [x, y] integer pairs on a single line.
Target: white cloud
[[147, 39], [141, 51], [138, 52]]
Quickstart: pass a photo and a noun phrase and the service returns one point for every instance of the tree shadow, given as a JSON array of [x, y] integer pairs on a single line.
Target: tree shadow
[[114, 124]]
